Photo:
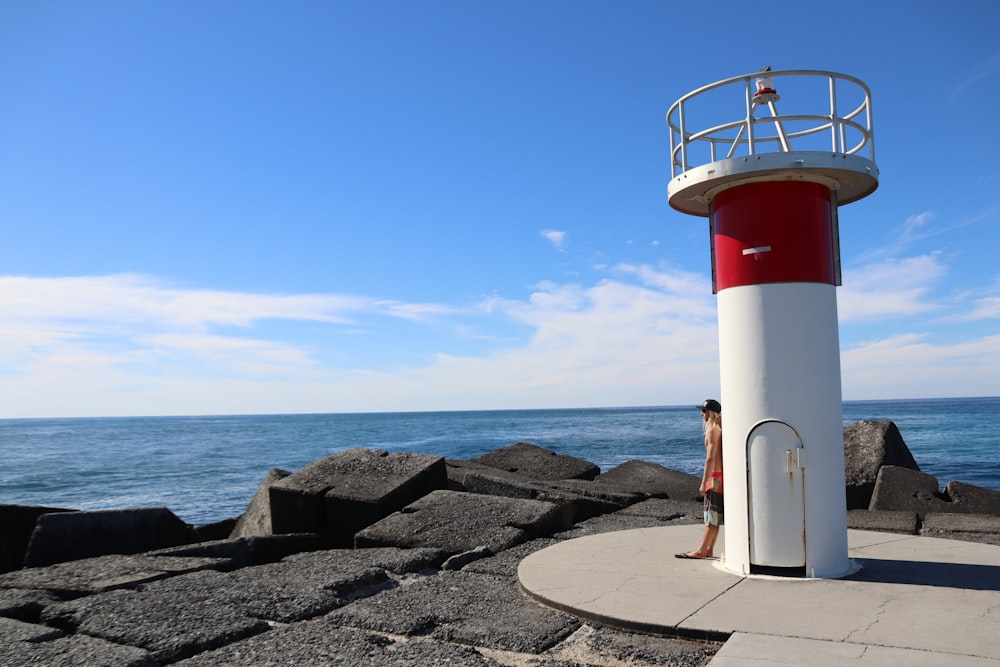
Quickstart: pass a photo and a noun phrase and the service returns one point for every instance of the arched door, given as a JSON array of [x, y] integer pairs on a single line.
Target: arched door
[[775, 487]]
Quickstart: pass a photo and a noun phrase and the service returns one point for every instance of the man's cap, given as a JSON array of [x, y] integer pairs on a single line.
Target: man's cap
[[711, 404]]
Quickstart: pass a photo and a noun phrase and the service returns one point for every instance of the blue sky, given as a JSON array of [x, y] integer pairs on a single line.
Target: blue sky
[[262, 207]]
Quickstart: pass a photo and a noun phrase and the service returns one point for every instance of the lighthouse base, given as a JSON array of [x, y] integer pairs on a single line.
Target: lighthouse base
[[783, 448]]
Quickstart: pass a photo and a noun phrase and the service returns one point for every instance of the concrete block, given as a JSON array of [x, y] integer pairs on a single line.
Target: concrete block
[[539, 463], [73, 535], [17, 522], [885, 521], [504, 564], [74, 650], [344, 492], [24, 604], [256, 520], [88, 576], [974, 499], [12, 630], [382, 485], [578, 499], [653, 480], [210, 532], [665, 509], [941, 523], [189, 614], [170, 625], [456, 522], [904, 490], [321, 642], [245, 551], [461, 608], [348, 564], [458, 469], [610, 523], [868, 446]]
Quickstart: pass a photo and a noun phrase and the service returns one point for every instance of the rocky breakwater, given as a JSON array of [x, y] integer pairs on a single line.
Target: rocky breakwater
[[887, 491], [371, 558]]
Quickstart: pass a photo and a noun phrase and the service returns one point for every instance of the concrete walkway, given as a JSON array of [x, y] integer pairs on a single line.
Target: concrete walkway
[[916, 600]]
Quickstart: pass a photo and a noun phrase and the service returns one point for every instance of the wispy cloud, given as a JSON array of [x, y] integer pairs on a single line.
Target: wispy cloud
[[980, 72], [639, 335], [986, 304], [920, 227], [126, 298], [128, 321], [911, 366], [138, 345], [890, 289], [556, 238]]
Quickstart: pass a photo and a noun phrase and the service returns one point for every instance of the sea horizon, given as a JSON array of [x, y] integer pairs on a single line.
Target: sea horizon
[[460, 410], [206, 468]]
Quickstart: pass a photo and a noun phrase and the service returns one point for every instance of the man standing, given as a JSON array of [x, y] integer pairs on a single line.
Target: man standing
[[711, 479]]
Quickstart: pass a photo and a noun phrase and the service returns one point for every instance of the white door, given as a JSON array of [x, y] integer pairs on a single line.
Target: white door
[[776, 496]]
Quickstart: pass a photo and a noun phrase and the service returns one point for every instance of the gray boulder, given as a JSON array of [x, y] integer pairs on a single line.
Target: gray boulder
[[458, 469], [217, 530], [456, 522], [578, 499], [256, 520], [665, 509], [73, 650], [321, 642], [17, 522], [191, 613], [653, 480], [885, 521], [461, 608], [973, 527], [69, 536], [87, 576], [342, 493], [901, 489], [904, 490], [24, 604], [869, 445], [244, 551], [974, 499], [539, 463]]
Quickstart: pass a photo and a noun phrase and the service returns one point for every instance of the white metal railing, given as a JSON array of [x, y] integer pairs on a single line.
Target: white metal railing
[[762, 128]]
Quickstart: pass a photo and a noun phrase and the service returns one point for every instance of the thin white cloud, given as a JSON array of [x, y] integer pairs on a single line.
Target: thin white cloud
[[614, 343], [245, 356], [129, 298], [555, 237], [642, 335], [910, 366], [890, 289], [123, 348], [143, 326], [920, 227], [987, 308], [980, 72], [915, 223], [985, 303]]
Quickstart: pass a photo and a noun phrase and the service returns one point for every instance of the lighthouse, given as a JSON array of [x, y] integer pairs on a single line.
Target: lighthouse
[[768, 158]]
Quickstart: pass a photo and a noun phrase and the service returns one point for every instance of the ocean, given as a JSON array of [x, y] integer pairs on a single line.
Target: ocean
[[206, 469]]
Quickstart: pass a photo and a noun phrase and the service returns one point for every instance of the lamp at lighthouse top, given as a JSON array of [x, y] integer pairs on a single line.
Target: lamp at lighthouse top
[[733, 131]]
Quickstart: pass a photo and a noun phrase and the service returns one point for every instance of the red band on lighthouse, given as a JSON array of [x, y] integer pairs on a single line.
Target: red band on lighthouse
[[773, 232]]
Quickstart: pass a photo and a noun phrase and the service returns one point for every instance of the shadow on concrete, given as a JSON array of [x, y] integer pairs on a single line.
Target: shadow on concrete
[[923, 573]]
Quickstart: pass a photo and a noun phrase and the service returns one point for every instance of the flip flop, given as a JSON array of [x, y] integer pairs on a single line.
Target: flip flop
[[687, 556]]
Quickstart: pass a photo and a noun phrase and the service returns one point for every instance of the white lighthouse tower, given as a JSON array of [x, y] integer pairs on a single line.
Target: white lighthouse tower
[[770, 184]]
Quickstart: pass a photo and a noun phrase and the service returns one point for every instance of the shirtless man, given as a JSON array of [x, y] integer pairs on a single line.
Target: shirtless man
[[711, 479]]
